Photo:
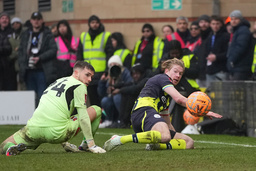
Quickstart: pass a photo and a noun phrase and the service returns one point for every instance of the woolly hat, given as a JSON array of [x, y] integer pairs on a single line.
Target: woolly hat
[[205, 18], [115, 59], [16, 19], [93, 17], [4, 14], [236, 13]]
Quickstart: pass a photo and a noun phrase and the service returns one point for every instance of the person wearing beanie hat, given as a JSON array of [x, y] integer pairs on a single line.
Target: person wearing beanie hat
[[236, 14], [149, 49], [8, 77], [14, 40], [95, 46], [118, 75], [240, 51], [16, 19], [120, 49]]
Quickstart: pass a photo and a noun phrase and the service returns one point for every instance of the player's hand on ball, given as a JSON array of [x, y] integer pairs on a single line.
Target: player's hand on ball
[[96, 149], [212, 114]]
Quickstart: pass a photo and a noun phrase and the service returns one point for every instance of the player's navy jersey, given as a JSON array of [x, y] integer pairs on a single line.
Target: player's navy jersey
[[153, 93], [58, 102]]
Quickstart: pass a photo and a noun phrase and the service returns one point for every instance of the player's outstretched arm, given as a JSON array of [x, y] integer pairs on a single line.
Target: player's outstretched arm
[[211, 114]]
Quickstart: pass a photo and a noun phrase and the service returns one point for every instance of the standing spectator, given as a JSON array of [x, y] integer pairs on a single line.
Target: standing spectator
[[37, 56], [229, 28], [182, 34], [120, 49], [205, 29], [167, 30], [54, 29], [254, 46], [216, 51], [149, 49], [67, 47], [17, 27], [194, 40], [111, 102], [240, 52], [95, 47], [5, 51]]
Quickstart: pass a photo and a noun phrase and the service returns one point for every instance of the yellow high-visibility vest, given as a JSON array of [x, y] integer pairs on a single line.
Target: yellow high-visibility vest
[[186, 59], [157, 51], [122, 53], [94, 53]]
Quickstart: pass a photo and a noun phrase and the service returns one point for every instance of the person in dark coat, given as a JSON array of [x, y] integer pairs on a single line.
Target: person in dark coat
[[8, 79], [240, 52], [216, 51], [37, 56]]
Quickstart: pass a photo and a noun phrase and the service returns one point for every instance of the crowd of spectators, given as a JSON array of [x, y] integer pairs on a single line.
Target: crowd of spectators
[[213, 49]]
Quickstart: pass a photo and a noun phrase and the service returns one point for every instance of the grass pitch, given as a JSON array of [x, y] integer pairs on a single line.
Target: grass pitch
[[213, 152]]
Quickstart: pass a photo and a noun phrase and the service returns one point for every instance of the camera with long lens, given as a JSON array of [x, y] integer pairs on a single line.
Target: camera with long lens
[[115, 71]]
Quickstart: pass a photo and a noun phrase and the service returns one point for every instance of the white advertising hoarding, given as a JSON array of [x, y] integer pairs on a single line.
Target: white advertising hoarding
[[16, 107]]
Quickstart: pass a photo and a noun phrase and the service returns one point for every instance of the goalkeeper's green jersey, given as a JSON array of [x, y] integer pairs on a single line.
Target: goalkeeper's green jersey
[[59, 102]]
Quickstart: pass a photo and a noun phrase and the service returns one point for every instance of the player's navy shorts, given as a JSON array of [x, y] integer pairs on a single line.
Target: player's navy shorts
[[144, 118]]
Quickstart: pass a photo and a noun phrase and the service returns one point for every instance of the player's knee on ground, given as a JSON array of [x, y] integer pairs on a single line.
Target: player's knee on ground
[[189, 143], [165, 137]]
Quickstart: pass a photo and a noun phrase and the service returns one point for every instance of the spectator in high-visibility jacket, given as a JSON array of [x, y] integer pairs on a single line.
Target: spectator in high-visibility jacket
[[67, 46], [120, 49], [149, 49], [95, 47]]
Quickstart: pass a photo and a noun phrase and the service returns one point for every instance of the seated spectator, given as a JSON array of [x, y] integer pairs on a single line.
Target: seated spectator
[[129, 93], [67, 46], [111, 102], [120, 49]]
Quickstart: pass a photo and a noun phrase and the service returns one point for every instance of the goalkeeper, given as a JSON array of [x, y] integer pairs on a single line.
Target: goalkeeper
[[60, 115]]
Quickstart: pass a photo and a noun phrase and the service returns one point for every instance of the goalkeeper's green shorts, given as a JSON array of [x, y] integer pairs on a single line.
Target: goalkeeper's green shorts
[[33, 136]]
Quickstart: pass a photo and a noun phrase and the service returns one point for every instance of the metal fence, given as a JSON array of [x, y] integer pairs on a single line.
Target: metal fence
[[236, 100]]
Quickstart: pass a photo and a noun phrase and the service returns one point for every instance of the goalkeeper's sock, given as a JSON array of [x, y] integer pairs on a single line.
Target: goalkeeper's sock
[[142, 137], [173, 144], [5, 146]]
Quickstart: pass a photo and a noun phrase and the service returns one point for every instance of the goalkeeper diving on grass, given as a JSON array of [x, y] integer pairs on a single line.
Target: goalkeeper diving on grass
[[150, 117], [60, 115]]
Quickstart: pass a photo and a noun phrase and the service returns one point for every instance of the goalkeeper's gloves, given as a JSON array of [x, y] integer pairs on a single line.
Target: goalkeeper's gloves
[[96, 149]]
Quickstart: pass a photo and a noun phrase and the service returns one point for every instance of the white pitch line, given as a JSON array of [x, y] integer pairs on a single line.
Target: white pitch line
[[203, 142], [222, 143]]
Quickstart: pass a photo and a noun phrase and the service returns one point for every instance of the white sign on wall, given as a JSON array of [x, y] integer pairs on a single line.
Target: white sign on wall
[[16, 107]]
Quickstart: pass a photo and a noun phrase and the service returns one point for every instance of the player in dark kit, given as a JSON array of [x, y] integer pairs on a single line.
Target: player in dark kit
[[150, 117]]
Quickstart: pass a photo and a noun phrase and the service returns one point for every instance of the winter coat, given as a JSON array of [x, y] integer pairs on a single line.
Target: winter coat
[[240, 52], [219, 48], [46, 54]]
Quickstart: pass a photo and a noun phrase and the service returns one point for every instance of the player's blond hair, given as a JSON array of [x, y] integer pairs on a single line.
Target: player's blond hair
[[168, 64]]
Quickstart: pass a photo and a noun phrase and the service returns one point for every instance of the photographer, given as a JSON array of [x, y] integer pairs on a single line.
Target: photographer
[[117, 74]]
